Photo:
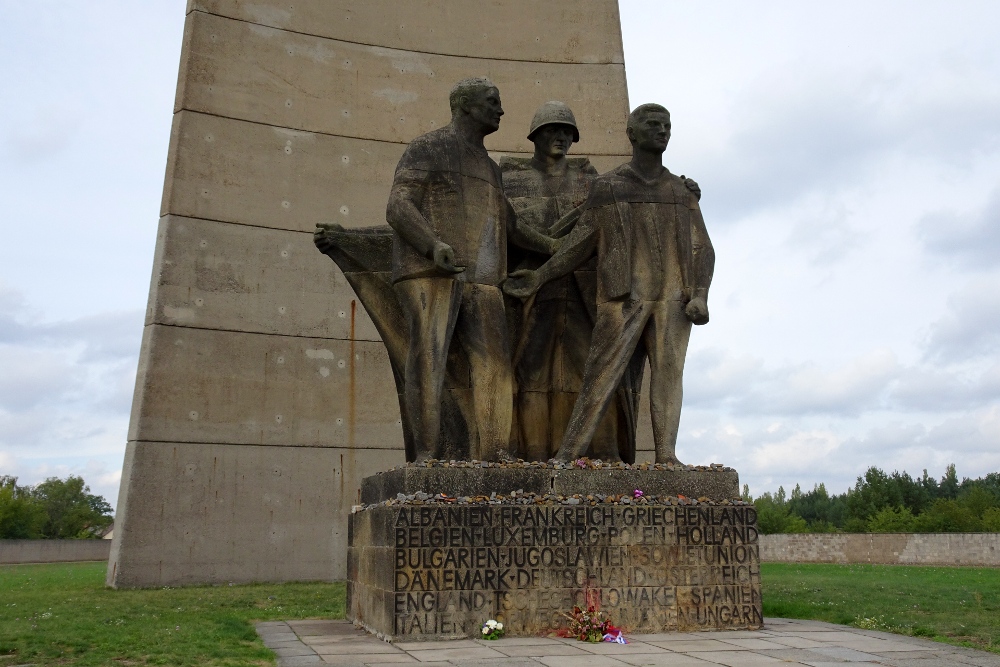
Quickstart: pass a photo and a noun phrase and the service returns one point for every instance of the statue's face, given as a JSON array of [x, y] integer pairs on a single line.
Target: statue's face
[[652, 132], [554, 140], [484, 107]]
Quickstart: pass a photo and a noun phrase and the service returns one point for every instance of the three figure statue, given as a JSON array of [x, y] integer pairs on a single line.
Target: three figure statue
[[605, 273]]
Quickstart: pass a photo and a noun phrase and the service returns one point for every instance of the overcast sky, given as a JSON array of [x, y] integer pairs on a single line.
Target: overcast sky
[[849, 157]]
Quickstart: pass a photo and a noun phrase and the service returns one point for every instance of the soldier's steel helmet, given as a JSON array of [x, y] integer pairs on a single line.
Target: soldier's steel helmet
[[553, 113]]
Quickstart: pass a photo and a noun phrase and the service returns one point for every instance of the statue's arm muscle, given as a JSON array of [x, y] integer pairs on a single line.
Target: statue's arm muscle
[[403, 211]]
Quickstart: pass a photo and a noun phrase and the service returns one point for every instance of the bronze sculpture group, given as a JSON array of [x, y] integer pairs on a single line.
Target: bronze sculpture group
[[523, 300]]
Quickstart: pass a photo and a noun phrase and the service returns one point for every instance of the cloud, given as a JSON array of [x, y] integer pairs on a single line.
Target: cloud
[[65, 393], [935, 389], [826, 234], [746, 386], [971, 326], [37, 134], [812, 127], [968, 240], [32, 377], [976, 432]]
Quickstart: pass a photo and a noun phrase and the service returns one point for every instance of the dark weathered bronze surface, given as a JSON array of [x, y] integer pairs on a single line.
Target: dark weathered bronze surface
[[654, 267], [439, 308], [612, 271], [430, 570]]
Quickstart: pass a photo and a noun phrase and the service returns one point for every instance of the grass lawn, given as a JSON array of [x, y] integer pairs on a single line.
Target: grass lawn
[[63, 615], [958, 605]]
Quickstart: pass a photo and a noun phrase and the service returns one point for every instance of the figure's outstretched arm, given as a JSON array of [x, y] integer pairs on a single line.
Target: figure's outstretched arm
[[525, 236], [578, 247]]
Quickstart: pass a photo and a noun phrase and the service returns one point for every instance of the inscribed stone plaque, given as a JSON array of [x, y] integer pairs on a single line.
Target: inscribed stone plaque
[[426, 571]]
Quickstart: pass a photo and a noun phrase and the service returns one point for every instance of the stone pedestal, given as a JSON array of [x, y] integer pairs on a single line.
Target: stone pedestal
[[437, 551]]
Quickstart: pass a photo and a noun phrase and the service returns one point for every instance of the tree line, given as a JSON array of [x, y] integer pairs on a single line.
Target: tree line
[[53, 509], [886, 503]]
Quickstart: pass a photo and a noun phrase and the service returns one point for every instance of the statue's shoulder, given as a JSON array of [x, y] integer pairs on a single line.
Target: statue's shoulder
[[675, 180], [512, 164], [520, 179], [581, 165], [433, 147], [603, 188], [441, 135], [615, 178]]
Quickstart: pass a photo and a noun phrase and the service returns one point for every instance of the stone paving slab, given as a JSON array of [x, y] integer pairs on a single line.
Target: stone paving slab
[[785, 642], [665, 660]]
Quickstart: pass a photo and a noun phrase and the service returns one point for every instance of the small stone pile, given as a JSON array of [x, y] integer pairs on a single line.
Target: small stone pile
[[582, 464], [522, 498]]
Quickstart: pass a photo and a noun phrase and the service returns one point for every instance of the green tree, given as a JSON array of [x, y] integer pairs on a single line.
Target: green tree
[[774, 515], [71, 510], [949, 483], [21, 518], [991, 520], [891, 520], [824, 513], [947, 516], [977, 500], [872, 492]]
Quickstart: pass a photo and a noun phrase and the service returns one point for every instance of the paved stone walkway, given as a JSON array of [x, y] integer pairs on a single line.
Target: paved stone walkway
[[782, 642]]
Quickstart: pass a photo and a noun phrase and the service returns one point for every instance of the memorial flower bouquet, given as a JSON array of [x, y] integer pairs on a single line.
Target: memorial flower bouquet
[[590, 625], [492, 629]]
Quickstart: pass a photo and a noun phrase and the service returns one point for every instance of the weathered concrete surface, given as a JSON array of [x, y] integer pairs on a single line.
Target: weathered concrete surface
[[255, 174], [457, 482], [262, 282], [588, 30], [212, 386], [196, 512], [53, 551], [288, 114], [314, 84], [419, 572], [883, 548]]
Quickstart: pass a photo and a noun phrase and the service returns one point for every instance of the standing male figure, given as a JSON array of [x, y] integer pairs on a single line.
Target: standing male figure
[[655, 265], [450, 223]]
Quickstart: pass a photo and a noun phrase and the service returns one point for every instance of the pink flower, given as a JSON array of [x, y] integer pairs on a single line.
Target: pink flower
[[637, 493]]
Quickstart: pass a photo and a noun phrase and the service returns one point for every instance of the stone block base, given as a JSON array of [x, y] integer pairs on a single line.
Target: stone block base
[[439, 568]]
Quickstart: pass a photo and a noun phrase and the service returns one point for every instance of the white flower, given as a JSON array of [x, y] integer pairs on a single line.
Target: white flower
[[491, 623], [499, 626], [486, 630]]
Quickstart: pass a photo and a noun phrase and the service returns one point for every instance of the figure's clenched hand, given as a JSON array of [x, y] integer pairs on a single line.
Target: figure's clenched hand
[[693, 186], [321, 237], [444, 258], [522, 283], [697, 310]]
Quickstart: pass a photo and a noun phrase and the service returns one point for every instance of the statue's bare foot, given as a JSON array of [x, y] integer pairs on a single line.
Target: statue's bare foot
[[671, 460]]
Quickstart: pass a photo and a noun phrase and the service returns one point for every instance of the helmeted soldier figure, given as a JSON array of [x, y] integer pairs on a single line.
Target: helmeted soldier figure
[[553, 338]]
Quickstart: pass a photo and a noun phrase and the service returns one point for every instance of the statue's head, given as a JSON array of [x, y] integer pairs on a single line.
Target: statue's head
[[553, 129], [479, 100], [649, 128]]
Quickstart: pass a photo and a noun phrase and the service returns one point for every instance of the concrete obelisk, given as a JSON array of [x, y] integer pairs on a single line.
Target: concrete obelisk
[[264, 395]]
